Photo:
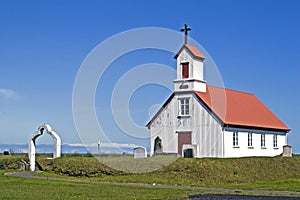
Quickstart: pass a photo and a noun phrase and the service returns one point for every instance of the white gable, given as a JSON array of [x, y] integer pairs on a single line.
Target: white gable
[[196, 70]]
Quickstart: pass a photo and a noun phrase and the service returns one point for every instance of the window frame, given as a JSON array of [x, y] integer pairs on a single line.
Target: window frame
[[185, 70], [263, 141], [250, 140], [184, 106], [235, 139], [275, 141]]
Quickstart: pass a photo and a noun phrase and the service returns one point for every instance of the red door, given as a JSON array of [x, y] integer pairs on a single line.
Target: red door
[[183, 138]]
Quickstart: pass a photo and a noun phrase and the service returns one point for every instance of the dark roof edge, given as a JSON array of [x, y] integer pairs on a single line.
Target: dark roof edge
[[256, 127]]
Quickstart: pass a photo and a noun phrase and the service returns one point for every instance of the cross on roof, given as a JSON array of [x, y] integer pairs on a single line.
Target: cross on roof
[[185, 30]]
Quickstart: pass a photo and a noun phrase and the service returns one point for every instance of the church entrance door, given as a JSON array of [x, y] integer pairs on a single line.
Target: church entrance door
[[183, 138]]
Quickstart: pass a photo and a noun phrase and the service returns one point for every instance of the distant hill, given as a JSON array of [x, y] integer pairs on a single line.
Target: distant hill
[[67, 149]]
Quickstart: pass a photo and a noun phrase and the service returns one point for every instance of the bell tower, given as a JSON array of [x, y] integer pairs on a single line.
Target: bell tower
[[190, 67]]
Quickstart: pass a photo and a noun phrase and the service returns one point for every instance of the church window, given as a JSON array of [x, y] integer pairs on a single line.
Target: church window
[[275, 141], [263, 140], [157, 145], [185, 70], [235, 139], [184, 106], [249, 139]]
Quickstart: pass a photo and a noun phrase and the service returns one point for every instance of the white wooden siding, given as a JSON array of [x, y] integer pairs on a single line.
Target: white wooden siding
[[256, 150]]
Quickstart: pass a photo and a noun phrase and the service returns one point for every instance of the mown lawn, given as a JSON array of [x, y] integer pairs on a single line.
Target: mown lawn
[[279, 185], [22, 188]]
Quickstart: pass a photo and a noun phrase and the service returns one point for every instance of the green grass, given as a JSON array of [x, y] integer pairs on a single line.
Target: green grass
[[279, 185], [242, 173], [11, 161], [281, 174], [22, 188]]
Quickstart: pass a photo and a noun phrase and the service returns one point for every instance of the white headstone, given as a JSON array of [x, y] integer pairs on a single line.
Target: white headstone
[[140, 152], [287, 151]]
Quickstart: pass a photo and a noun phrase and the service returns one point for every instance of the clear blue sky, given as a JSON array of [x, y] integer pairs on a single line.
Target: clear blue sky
[[255, 44]]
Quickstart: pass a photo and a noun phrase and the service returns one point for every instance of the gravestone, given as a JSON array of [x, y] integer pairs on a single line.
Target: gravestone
[[287, 151], [23, 165], [140, 152]]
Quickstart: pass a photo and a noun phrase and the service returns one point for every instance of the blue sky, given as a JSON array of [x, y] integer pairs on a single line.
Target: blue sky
[[255, 45]]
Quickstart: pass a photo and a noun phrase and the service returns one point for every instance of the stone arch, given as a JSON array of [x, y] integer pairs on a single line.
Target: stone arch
[[32, 146], [157, 145]]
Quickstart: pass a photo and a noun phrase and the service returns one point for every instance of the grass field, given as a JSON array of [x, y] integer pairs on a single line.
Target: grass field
[[242, 173], [281, 174], [22, 188]]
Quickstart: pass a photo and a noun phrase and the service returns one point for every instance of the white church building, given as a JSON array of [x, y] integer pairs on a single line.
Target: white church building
[[199, 120]]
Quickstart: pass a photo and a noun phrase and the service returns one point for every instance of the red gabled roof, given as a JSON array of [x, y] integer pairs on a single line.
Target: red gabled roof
[[240, 109], [193, 50]]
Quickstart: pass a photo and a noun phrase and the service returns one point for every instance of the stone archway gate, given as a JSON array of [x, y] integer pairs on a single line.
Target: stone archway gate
[[32, 146]]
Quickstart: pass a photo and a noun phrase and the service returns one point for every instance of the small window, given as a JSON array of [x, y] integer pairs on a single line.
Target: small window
[[249, 139], [185, 70], [184, 106], [263, 140], [275, 141], [235, 139]]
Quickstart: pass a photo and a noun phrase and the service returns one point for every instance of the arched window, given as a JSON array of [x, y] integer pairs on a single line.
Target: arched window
[[157, 145]]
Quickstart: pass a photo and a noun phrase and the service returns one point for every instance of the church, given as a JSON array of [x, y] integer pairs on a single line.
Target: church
[[200, 120]]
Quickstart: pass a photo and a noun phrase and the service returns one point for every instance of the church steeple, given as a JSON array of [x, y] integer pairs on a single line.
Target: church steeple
[[190, 67]]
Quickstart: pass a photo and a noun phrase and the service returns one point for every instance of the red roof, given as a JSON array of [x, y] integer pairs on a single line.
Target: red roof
[[240, 109], [193, 50]]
